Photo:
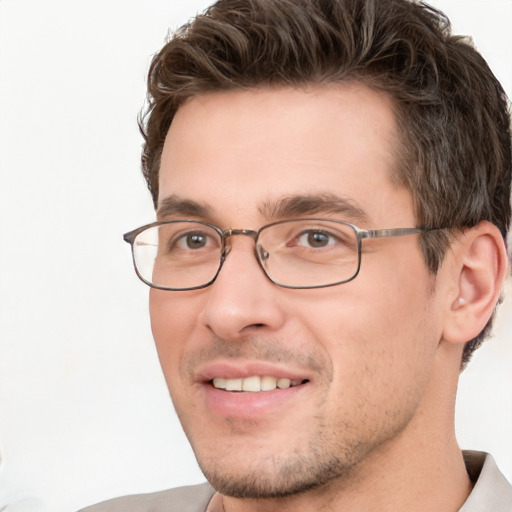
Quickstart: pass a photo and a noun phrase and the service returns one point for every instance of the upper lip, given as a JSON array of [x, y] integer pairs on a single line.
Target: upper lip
[[243, 369]]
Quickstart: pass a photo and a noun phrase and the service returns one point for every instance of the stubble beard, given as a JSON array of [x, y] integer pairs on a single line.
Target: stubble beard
[[331, 456], [282, 476], [335, 458], [309, 465]]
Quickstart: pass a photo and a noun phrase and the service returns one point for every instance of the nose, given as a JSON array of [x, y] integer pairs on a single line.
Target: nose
[[242, 300]]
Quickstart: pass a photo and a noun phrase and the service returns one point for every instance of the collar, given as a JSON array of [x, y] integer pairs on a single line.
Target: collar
[[491, 490]]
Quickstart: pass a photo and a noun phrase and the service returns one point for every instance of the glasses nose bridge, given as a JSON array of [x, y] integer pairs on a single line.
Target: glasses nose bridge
[[228, 233]]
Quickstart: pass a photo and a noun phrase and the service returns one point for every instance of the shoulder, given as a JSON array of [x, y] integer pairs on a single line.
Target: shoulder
[[193, 498]]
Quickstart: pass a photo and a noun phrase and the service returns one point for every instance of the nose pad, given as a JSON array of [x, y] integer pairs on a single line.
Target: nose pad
[[227, 245], [262, 253], [226, 249]]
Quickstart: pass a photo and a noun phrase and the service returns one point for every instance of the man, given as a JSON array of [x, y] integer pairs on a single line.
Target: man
[[332, 187]]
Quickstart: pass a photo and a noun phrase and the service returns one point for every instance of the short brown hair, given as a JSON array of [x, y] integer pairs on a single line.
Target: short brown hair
[[452, 113]]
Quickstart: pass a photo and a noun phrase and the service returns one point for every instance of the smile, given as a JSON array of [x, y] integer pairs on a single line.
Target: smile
[[255, 384]]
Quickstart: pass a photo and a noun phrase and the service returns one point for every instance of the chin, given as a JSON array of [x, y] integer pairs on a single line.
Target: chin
[[275, 476]]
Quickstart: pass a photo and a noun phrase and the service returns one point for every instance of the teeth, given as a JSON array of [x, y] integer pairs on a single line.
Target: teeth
[[283, 383], [254, 384], [251, 384], [268, 383], [219, 383], [233, 384]]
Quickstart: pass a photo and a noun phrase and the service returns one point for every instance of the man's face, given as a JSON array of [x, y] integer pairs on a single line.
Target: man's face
[[359, 355]]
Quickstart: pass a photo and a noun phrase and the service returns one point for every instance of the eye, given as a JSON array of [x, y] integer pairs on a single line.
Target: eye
[[194, 240], [316, 239]]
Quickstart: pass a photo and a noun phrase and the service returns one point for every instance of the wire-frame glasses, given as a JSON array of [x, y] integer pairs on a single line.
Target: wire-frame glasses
[[299, 253]]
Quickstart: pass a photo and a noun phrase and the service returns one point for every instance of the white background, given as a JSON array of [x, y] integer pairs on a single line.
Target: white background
[[84, 413]]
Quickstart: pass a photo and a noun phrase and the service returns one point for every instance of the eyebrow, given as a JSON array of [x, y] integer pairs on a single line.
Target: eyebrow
[[313, 204], [174, 206], [287, 207]]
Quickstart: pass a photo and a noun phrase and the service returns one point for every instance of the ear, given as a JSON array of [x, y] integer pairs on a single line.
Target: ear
[[478, 271]]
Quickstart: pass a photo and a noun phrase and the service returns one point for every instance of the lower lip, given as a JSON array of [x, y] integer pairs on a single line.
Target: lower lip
[[247, 405]]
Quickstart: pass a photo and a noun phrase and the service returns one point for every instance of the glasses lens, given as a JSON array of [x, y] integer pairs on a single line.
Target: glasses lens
[[309, 253], [177, 255]]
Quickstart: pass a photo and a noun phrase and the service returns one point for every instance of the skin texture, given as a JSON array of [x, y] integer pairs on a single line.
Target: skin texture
[[372, 426]]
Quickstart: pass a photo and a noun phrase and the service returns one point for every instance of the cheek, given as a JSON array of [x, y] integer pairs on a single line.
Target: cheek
[[381, 337], [173, 320]]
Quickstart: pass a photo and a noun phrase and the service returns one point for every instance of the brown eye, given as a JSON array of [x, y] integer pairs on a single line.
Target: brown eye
[[316, 239], [192, 241], [195, 241]]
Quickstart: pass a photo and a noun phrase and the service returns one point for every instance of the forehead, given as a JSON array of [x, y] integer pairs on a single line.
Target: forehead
[[234, 151]]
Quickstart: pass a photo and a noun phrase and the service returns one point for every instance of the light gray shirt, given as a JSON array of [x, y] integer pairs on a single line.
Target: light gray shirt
[[491, 493]]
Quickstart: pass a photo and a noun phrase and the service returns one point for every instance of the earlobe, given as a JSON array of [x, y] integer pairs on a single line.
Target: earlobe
[[480, 268]]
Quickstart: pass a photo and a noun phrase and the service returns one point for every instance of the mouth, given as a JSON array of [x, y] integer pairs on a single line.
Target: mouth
[[250, 390], [255, 383]]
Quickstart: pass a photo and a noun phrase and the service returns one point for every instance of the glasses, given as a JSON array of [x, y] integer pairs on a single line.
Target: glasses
[[300, 253]]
